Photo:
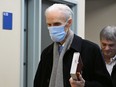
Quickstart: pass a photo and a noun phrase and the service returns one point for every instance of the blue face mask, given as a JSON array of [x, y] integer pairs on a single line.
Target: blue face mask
[[57, 33]]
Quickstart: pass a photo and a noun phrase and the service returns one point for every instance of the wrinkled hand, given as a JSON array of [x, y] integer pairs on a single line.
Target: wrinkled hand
[[77, 83]]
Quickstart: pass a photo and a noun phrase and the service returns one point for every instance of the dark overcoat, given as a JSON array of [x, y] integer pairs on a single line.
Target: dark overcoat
[[113, 75], [94, 70]]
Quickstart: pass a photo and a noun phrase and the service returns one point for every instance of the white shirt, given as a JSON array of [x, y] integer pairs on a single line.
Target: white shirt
[[110, 65]]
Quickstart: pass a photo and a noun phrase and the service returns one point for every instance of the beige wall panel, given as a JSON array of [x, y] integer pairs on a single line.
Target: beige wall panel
[[10, 45], [99, 13], [81, 18]]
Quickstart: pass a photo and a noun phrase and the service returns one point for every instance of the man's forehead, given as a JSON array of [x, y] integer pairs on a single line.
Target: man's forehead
[[108, 41], [58, 19]]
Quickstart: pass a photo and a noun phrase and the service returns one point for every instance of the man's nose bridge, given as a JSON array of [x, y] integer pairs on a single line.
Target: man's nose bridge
[[52, 25], [107, 47]]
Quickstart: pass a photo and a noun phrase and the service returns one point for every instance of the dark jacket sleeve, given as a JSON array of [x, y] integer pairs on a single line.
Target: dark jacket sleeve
[[38, 75], [113, 76], [44, 68]]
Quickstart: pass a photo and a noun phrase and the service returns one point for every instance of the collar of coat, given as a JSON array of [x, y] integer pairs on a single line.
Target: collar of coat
[[76, 43]]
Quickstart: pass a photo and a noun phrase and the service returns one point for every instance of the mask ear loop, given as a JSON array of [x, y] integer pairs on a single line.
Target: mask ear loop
[[66, 23], [67, 20]]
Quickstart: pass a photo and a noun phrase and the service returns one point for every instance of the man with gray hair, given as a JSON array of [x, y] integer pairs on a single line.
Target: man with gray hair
[[55, 64], [108, 47]]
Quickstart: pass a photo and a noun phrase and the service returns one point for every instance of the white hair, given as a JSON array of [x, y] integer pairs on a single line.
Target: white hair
[[61, 7]]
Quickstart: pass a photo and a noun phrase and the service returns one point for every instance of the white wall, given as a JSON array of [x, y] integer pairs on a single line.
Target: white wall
[[81, 18], [10, 45], [99, 13]]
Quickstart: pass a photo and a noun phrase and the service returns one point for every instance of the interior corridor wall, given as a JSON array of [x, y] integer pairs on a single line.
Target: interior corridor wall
[[98, 14], [81, 18], [10, 45]]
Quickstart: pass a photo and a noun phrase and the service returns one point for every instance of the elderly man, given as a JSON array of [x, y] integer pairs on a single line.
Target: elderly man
[[108, 47], [55, 64]]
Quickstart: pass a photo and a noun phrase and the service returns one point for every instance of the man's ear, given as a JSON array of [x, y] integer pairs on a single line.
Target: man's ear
[[69, 23]]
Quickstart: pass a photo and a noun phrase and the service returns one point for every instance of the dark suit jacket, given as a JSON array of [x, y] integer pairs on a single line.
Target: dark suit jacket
[[94, 71], [113, 76]]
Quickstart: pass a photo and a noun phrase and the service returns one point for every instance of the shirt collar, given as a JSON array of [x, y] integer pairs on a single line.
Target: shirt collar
[[114, 58]]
